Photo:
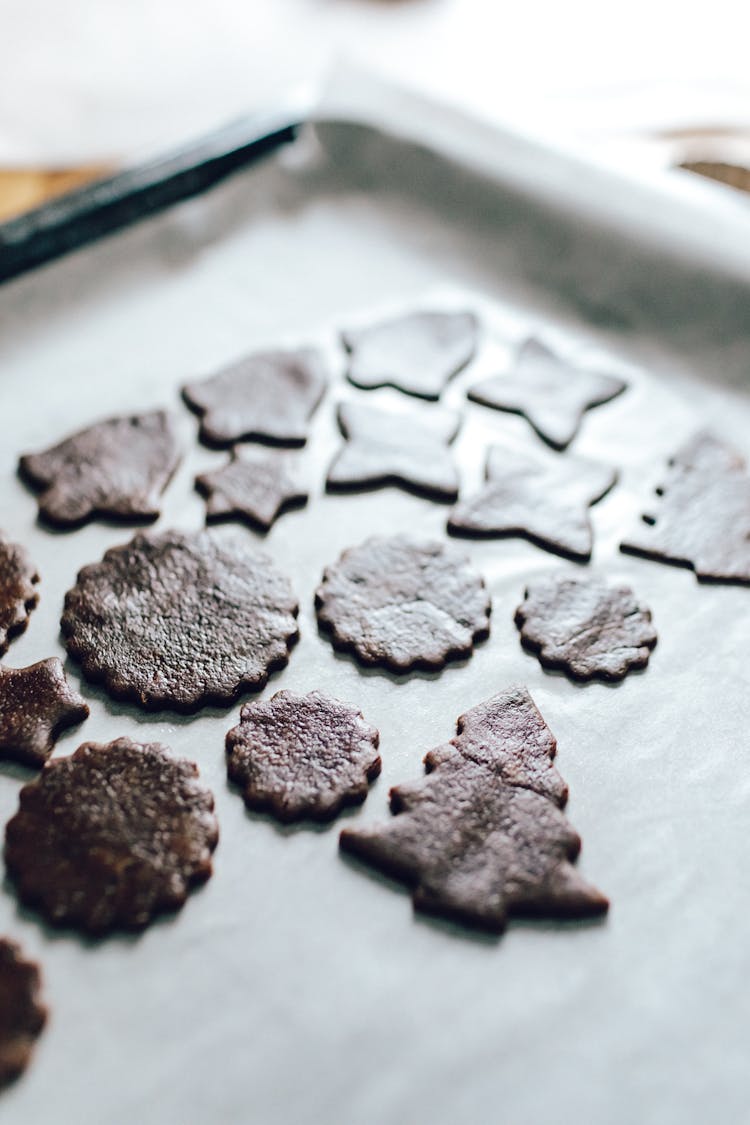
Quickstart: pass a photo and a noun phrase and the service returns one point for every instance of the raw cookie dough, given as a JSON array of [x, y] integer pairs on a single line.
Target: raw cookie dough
[[404, 603]]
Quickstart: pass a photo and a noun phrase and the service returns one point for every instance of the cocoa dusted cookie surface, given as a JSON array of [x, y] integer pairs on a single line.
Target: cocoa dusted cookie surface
[[404, 603], [255, 485], [36, 706], [111, 836], [180, 620], [410, 449], [302, 755], [116, 468], [701, 514], [22, 1014], [552, 394], [267, 396], [537, 496], [19, 579], [417, 353], [483, 837], [585, 627]]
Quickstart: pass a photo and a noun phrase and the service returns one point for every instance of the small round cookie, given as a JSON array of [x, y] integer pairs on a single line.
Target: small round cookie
[[585, 628], [111, 836], [404, 603], [302, 755]]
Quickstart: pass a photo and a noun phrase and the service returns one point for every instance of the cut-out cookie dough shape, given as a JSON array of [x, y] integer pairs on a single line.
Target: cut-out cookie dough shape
[[417, 353], [302, 755], [36, 705], [255, 485], [409, 449], [19, 579], [585, 627], [267, 396], [536, 496], [404, 603], [22, 1014], [117, 469], [180, 620], [482, 837], [111, 836], [701, 515], [552, 394]]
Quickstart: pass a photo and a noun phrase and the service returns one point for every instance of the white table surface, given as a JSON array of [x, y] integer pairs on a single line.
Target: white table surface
[[86, 80]]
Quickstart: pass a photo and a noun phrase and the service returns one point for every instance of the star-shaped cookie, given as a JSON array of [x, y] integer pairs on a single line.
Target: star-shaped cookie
[[552, 394], [404, 448], [417, 353], [267, 396], [257, 486], [536, 496], [36, 706]]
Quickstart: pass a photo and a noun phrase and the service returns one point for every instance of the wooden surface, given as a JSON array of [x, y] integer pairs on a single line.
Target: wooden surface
[[24, 188]]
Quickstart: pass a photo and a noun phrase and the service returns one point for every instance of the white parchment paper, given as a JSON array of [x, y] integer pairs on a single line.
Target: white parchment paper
[[296, 987]]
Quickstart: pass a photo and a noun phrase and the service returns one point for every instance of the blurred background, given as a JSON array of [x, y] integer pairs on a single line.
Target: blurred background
[[89, 85]]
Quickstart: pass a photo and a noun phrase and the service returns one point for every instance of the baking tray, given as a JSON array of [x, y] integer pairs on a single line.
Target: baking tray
[[296, 986]]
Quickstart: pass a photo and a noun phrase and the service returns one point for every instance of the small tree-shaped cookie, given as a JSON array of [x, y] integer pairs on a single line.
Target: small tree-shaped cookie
[[483, 836]]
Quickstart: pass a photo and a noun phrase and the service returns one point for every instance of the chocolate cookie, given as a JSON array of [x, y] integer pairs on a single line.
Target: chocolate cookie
[[404, 603], [257, 486], [550, 393], [586, 628], [701, 518], [407, 449], [18, 593], [417, 353], [117, 468], [268, 396], [111, 836], [180, 620], [302, 755], [536, 496], [36, 706], [22, 1015], [483, 837]]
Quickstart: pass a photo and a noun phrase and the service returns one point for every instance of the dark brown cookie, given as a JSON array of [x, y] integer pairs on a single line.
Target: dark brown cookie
[[18, 594], [701, 517], [483, 837], [180, 620], [256, 486], [302, 755], [268, 396], [111, 836], [536, 496], [117, 468], [404, 603], [22, 1015], [404, 448], [417, 353], [36, 706], [586, 628], [549, 392]]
